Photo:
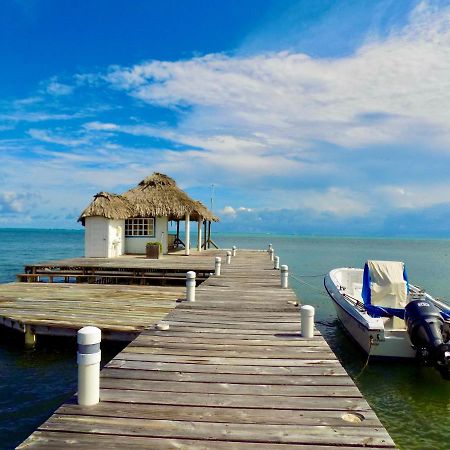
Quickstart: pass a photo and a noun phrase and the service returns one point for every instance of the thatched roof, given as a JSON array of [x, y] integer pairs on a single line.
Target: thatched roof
[[159, 195], [156, 195], [111, 206]]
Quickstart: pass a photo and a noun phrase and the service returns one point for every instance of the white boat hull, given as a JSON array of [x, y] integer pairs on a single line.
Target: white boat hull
[[369, 333]]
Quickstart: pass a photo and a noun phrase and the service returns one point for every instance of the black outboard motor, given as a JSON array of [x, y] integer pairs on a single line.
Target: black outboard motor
[[429, 335]]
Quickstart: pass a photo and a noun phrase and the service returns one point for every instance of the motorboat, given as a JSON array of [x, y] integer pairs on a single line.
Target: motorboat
[[390, 317]]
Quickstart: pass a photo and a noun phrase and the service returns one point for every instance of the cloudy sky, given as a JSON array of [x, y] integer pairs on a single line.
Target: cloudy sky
[[313, 117]]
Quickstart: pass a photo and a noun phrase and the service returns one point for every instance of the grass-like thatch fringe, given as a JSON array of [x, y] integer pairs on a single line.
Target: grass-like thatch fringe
[[156, 196]]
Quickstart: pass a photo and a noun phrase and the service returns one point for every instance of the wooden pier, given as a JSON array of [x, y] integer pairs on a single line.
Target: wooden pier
[[121, 270], [120, 295], [121, 312], [232, 372]]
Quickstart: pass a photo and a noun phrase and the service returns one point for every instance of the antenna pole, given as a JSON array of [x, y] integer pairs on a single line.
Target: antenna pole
[[212, 196]]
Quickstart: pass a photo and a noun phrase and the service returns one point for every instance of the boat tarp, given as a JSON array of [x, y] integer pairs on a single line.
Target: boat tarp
[[385, 288]]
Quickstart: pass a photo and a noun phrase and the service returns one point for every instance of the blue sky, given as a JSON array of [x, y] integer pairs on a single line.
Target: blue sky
[[315, 117]]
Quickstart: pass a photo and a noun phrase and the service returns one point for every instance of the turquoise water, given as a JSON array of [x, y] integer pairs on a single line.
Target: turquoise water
[[413, 403]]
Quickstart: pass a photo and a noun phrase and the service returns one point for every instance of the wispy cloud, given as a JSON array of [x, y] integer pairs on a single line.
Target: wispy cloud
[[402, 79], [53, 138], [54, 87]]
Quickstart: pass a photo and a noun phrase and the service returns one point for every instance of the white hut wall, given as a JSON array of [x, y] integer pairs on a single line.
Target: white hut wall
[[96, 236], [135, 245]]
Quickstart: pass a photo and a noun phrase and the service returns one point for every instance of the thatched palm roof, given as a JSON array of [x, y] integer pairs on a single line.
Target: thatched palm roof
[[156, 195], [111, 206], [159, 195]]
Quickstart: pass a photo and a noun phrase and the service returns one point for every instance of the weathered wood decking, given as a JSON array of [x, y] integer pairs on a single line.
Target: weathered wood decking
[[126, 269], [232, 372], [122, 312]]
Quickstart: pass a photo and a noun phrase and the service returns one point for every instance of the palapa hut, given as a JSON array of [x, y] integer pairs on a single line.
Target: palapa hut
[[118, 224]]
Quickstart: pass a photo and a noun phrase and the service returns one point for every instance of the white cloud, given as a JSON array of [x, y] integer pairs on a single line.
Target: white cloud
[[228, 211], [98, 126], [13, 202], [385, 93], [414, 196], [53, 138], [56, 88], [24, 116]]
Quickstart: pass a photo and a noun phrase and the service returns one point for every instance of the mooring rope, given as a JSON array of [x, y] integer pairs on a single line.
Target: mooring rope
[[297, 278], [367, 360]]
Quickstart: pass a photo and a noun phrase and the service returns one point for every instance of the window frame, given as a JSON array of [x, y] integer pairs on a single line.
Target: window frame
[[137, 226]]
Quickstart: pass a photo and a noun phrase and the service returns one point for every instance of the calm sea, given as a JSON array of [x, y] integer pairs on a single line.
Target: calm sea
[[413, 403]]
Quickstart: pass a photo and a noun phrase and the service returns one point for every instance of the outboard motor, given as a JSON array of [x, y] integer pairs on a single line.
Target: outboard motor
[[428, 333]]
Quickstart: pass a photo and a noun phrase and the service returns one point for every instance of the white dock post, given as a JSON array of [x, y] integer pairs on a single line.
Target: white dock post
[[228, 257], [30, 337], [307, 320], [284, 276], [199, 235], [218, 265], [88, 360], [187, 232], [271, 254], [233, 250], [276, 263], [190, 286]]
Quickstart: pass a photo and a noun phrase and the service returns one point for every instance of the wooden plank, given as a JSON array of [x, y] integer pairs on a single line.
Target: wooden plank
[[290, 434], [308, 379], [50, 440], [235, 401], [306, 361], [260, 353], [233, 388], [331, 368], [218, 415]]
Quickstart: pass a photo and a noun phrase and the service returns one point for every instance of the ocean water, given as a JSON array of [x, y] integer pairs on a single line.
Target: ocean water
[[413, 403]]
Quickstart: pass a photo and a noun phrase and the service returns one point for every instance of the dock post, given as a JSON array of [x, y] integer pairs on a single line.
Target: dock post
[[284, 276], [88, 360], [190, 286], [307, 321], [187, 232], [271, 254], [228, 257], [276, 263], [30, 337], [233, 250], [269, 248], [218, 265]]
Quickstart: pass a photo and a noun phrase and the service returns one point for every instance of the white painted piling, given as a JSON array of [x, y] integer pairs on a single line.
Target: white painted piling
[[271, 252], [307, 319], [218, 264], [228, 257], [187, 231], [276, 263], [88, 360], [233, 250], [284, 276], [30, 337], [190, 286]]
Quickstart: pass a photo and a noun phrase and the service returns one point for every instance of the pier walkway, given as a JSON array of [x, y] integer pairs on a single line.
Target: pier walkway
[[232, 372]]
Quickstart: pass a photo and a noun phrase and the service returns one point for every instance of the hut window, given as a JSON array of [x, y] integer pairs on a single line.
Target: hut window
[[140, 227]]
